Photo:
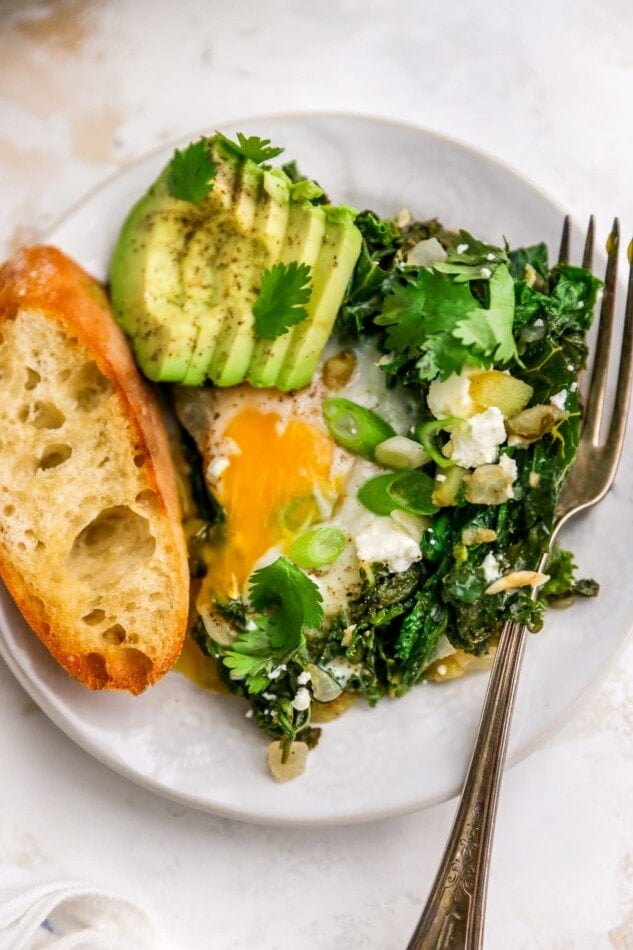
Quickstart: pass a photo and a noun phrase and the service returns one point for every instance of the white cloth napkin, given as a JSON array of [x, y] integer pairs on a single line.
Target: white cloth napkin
[[68, 915]]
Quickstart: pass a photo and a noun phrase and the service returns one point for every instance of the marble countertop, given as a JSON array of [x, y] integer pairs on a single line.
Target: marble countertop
[[86, 87]]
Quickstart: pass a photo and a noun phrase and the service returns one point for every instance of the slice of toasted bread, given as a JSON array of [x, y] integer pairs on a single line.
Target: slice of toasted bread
[[91, 545]]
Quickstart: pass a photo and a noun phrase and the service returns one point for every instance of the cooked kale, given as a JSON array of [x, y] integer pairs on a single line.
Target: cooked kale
[[396, 626]]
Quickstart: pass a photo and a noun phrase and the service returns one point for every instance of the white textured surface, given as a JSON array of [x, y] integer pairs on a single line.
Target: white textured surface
[[546, 87]]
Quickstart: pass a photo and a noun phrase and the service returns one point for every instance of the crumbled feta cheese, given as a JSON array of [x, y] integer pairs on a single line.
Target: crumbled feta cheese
[[461, 248], [249, 713], [490, 256], [304, 678], [491, 568], [442, 669], [485, 271], [451, 397], [440, 477], [539, 322], [385, 542], [477, 441], [277, 671], [301, 700], [573, 387], [269, 696], [559, 399], [413, 525], [534, 479], [509, 467]]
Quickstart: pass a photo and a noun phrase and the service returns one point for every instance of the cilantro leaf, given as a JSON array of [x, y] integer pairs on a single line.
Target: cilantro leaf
[[191, 172], [403, 314], [252, 147], [291, 598], [281, 301], [489, 331], [252, 669], [287, 601], [438, 321]]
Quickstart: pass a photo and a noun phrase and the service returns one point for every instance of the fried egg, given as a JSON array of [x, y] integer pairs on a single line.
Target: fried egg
[[273, 466]]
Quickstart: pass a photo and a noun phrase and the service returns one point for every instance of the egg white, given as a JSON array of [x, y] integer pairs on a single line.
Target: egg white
[[366, 386]]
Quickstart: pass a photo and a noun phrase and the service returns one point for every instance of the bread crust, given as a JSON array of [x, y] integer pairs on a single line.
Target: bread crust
[[43, 279]]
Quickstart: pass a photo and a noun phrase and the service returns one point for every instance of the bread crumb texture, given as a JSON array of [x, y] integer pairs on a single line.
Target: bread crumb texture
[[88, 551]]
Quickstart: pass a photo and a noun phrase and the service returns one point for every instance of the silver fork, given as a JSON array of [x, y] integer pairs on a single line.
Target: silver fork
[[454, 914]]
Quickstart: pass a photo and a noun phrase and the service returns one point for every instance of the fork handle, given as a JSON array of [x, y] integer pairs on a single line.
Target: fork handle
[[453, 918]]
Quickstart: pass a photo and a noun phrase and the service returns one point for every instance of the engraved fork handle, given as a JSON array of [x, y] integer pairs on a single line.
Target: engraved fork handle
[[454, 914]]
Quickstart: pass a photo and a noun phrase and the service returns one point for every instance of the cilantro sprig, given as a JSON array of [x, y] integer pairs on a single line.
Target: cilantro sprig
[[252, 147], [191, 172], [281, 303], [434, 317], [286, 602]]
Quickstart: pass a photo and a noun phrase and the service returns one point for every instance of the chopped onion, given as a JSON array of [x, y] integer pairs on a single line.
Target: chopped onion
[[324, 686], [401, 453], [215, 627], [294, 764]]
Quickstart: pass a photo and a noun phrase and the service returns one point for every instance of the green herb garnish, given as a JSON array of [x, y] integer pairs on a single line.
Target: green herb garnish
[[191, 172], [281, 302], [435, 319], [285, 602], [252, 147]]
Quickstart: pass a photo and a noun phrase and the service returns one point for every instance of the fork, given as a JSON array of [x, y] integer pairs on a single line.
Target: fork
[[453, 918]]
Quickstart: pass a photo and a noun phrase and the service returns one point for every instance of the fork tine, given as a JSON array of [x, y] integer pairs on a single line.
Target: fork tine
[[563, 254], [587, 257], [598, 384], [617, 428]]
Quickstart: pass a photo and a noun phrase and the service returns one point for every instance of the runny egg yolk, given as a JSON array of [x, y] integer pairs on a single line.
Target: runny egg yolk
[[270, 490]]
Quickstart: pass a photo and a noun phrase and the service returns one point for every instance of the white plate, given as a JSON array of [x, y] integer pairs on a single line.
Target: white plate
[[403, 755]]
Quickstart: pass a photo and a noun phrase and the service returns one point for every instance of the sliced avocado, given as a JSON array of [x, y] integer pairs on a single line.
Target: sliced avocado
[[235, 343], [229, 242], [189, 263], [332, 271], [304, 240], [162, 345]]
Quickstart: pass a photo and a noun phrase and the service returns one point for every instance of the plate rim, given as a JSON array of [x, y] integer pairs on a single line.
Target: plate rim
[[297, 115], [84, 741]]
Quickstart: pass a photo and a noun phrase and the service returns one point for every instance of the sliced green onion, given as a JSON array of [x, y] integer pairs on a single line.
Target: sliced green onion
[[426, 432], [401, 453], [355, 428], [300, 513], [374, 494], [412, 492], [318, 547], [406, 491]]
